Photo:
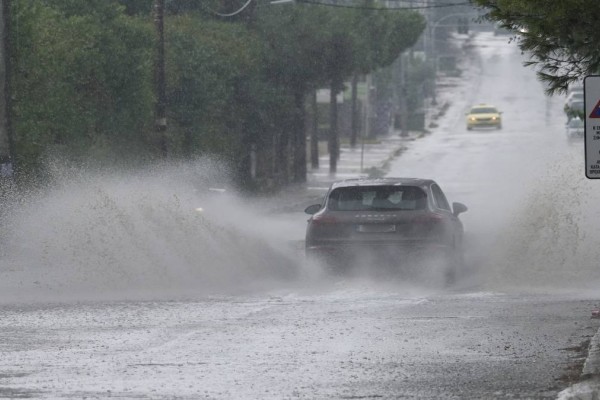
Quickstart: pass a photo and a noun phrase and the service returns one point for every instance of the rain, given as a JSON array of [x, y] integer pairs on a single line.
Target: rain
[[169, 280]]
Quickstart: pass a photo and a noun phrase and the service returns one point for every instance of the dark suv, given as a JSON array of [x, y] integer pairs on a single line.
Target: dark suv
[[391, 217]]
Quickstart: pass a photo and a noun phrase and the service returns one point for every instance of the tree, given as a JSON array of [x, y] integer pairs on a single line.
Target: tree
[[81, 81], [362, 42], [210, 64], [235, 87], [338, 48], [312, 46], [561, 36], [381, 37], [294, 60]]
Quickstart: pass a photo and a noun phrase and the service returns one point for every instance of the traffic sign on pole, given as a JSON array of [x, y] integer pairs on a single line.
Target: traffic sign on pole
[[591, 109]]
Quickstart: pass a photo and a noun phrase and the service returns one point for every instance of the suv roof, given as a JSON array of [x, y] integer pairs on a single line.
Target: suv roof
[[381, 182]]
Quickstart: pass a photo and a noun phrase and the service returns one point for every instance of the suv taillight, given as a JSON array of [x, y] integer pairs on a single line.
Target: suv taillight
[[429, 219], [324, 220]]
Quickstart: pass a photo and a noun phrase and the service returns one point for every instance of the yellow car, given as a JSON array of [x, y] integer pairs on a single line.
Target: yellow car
[[484, 115]]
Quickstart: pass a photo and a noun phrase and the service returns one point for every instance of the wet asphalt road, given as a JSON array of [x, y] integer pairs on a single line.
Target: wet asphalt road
[[358, 341]]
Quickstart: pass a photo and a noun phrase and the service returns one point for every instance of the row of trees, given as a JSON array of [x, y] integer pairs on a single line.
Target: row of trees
[[83, 87]]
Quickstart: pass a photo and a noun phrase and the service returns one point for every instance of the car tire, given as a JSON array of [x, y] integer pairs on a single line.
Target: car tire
[[454, 263], [450, 264], [450, 276], [329, 263], [438, 268], [314, 257]]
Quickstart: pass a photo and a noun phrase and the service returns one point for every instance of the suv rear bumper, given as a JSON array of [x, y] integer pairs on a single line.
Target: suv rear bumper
[[396, 252]]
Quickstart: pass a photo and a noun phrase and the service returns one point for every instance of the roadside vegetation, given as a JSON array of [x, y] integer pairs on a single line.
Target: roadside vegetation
[[83, 84]]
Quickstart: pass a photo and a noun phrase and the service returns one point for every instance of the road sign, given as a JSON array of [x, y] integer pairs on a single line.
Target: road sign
[[595, 111], [591, 108]]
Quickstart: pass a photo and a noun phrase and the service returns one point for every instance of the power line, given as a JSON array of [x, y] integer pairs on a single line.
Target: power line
[[233, 13], [424, 3], [410, 7]]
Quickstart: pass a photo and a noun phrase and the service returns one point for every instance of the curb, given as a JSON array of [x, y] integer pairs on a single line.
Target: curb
[[589, 387], [591, 367]]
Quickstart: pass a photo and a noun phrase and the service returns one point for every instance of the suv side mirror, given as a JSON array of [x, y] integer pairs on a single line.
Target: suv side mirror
[[313, 209], [458, 208]]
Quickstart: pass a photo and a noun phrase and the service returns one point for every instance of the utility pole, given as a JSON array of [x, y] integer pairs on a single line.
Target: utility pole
[[6, 162], [160, 122]]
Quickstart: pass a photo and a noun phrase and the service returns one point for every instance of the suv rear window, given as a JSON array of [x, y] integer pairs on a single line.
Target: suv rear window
[[382, 198]]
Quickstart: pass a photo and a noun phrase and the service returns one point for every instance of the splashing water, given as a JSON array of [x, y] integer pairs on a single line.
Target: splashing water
[[552, 242], [136, 235]]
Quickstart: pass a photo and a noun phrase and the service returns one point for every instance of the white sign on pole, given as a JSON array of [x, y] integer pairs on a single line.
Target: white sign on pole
[[591, 109]]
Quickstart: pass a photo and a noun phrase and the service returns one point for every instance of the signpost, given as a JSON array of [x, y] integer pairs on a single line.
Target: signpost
[[591, 109]]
